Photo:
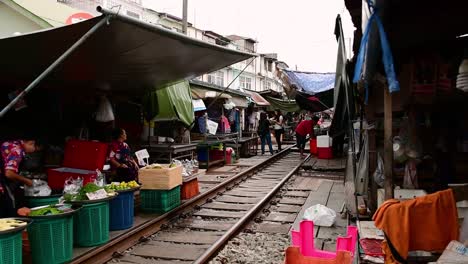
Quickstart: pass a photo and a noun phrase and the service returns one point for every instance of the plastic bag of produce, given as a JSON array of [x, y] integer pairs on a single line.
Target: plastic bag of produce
[[71, 189], [39, 188], [100, 179], [320, 215]]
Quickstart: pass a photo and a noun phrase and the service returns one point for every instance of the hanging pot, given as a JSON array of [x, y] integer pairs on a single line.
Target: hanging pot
[[399, 150]]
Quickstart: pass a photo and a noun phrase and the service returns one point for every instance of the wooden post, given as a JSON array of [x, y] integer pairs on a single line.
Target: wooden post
[[388, 144]]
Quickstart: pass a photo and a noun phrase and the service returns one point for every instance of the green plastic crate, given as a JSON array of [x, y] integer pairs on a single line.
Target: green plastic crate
[[91, 225], [51, 240], [160, 201], [40, 201], [11, 248]]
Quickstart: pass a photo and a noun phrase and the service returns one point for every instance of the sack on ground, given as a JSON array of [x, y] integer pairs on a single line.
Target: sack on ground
[[320, 215]]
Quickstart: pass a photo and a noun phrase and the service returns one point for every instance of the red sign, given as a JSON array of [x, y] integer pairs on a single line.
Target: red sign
[[78, 17]]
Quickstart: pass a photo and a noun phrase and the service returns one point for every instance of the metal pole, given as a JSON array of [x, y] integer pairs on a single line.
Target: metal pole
[[185, 16], [388, 145], [54, 65]]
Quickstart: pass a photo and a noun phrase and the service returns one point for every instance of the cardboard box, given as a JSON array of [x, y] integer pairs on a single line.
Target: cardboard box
[[455, 253], [160, 179]]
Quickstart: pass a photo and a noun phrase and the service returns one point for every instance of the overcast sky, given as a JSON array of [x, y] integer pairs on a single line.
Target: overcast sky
[[300, 31]]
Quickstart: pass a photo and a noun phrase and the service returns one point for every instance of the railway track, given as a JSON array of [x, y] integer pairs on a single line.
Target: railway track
[[200, 227]]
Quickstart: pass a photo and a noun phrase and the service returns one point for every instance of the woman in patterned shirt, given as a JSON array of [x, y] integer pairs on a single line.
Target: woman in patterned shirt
[[12, 153], [122, 162]]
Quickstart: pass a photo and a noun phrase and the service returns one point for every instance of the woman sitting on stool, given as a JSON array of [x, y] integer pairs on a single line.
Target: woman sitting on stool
[[124, 166]]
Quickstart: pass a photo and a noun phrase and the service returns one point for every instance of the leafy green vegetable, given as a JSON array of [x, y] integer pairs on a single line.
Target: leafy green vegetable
[[45, 211], [88, 188]]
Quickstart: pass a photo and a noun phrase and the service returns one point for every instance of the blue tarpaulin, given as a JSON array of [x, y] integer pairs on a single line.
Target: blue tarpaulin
[[310, 82]]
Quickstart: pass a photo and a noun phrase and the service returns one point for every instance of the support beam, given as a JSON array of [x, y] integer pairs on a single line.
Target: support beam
[[388, 144]]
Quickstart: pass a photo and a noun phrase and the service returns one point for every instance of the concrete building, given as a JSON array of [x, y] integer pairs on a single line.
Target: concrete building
[[131, 8], [24, 16]]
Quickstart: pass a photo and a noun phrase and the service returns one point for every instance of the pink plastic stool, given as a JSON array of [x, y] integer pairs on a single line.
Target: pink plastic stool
[[304, 239]]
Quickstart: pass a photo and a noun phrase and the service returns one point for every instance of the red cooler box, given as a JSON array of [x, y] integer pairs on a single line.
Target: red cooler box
[[82, 159], [219, 155], [313, 146]]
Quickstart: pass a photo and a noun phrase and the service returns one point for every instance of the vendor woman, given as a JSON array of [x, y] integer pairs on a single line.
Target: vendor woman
[[12, 154], [123, 165]]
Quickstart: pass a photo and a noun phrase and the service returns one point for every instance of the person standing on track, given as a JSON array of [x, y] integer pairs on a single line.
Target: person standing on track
[[305, 127], [278, 121], [264, 132]]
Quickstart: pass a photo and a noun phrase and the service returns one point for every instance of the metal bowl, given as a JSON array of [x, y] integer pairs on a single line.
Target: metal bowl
[[19, 228]]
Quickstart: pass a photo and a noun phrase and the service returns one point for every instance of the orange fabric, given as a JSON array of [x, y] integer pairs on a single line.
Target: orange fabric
[[426, 223], [294, 256]]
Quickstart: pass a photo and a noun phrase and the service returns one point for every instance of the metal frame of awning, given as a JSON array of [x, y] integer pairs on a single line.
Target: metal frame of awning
[[107, 18]]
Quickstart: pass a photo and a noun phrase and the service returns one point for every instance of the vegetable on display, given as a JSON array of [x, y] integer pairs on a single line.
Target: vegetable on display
[[81, 195], [121, 186], [7, 224], [49, 210]]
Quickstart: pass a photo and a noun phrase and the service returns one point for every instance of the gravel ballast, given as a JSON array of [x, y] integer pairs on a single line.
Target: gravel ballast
[[254, 248]]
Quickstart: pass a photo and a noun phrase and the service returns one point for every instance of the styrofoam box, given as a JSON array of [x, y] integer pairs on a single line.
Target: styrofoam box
[[400, 194], [324, 141]]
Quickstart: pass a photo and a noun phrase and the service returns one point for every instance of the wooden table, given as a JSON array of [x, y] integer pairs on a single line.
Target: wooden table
[[168, 151], [248, 146], [204, 147]]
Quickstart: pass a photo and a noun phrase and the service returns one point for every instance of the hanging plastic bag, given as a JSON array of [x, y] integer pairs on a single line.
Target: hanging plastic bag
[[100, 179], [379, 176], [104, 112], [71, 189], [39, 188], [320, 215]]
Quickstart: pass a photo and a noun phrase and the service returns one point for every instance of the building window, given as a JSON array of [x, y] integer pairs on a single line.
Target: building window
[[267, 85], [216, 78], [245, 82], [270, 66], [133, 14]]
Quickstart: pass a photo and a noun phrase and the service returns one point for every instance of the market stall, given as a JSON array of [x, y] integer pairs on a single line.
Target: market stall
[[102, 63], [224, 117], [172, 112], [410, 84]]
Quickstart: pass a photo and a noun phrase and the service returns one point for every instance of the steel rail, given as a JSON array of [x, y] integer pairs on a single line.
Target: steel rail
[[133, 236], [239, 225]]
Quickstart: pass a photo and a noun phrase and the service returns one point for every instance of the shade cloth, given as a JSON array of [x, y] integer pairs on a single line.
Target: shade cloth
[[283, 105], [175, 103], [126, 55], [240, 102], [311, 82]]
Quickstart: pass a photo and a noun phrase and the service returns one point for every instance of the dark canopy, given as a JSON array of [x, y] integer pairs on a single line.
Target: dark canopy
[[126, 55]]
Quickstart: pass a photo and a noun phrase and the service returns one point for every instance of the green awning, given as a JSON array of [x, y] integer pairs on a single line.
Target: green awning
[[283, 105], [174, 102]]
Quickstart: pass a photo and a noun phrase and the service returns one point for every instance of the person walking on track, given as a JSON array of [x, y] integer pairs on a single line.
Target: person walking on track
[[264, 132]]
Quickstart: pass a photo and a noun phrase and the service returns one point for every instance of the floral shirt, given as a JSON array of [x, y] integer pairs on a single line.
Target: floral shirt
[[12, 154], [119, 151]]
